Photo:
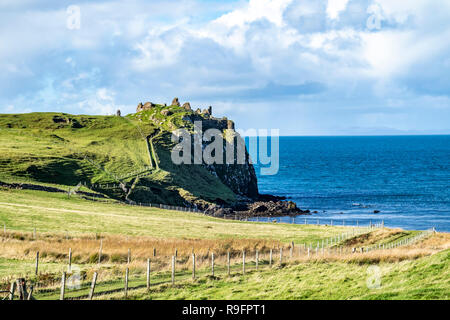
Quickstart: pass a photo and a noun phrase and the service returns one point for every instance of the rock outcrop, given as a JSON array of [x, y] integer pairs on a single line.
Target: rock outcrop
[[187, 106], [274, 208], [175, 102], [207, 112], [238, 174], [258, 209], [166, 112], [143, 107]]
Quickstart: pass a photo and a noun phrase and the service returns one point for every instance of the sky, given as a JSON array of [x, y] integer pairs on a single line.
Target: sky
[[306, 67]]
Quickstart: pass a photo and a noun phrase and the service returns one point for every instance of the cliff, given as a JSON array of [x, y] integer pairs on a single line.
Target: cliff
[[131, 159], [126, 158], [237, 176]]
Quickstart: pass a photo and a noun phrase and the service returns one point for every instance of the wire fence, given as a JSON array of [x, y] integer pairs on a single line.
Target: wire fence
[[169, 270]]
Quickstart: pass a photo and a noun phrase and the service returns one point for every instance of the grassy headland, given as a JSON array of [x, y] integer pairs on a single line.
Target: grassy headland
[[53, 153]]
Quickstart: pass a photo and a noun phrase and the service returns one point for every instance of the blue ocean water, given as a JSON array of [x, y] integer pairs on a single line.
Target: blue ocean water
[[406, 178]]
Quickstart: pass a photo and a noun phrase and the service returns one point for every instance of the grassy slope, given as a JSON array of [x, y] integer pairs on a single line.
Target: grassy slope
[[425, 278], [34, 148], [55, 213]]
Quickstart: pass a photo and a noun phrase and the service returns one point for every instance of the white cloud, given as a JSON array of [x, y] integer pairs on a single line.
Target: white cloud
[[335, 7], [229, 54], [158, 49], [272, 10], [13, 109], [101, 102]]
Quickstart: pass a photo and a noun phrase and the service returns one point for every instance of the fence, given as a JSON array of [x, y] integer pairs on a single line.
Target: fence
[[228, 264], [182, 268], [402, 242]]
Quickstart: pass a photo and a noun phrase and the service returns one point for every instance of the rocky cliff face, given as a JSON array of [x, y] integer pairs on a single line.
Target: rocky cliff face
[[220, 187], [239, 176]]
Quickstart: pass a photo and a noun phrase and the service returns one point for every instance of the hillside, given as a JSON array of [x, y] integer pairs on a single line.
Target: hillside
[[54, 225], [124, 158]]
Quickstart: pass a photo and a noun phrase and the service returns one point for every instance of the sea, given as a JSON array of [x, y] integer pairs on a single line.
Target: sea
[[347, 179]]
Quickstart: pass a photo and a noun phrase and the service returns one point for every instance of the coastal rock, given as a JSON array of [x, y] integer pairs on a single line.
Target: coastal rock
[[187, 106], [273, 208], [175, 102], [207, 112], [146, 106]]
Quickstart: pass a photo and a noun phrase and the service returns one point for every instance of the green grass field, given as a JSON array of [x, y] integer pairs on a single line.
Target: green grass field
[[63, 149], [25, 210], [423, 276]]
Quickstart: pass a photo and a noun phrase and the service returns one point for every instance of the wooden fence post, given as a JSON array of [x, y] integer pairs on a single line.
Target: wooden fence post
[[257, 258], [94, 280], [129, 256], [193, 266], [126, 282], [63, 286], [228, 262], [37, 264], [154, 252], [270, 258], [30, 293], [243, 262], [100, 251], [70, 259], [281, 255], [22, 288], [148, 274], [212, 264], [11, 290], [173, 270]]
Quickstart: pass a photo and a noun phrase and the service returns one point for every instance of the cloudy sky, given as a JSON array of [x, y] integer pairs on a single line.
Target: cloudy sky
[[307, 67]]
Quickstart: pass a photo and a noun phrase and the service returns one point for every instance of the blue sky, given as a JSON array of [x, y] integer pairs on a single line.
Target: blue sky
[[336, 67]]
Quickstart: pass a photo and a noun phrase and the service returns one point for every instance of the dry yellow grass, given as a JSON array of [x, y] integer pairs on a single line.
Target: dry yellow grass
[[376, 236], [115, 247], [85, 249]]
